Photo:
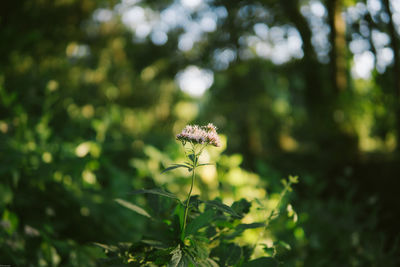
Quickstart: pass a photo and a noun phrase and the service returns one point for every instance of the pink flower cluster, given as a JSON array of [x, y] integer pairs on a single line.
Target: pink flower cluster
[[200, 135]]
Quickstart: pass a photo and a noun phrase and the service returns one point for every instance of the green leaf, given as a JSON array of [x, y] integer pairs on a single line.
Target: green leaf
[[180, 212], [175, 166], [285, 245], [106, 247], [178, 259], [154, 243], [222, 207], [264, 261], [156, 191], [193, 159], [132, 207], [270, 251], [199, 222], [250, 226], [293, 179], [205, 164], [241, 207], [232, 254]]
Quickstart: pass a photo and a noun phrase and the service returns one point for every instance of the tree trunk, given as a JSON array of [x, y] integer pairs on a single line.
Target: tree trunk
[[338, 42], [396, 69]]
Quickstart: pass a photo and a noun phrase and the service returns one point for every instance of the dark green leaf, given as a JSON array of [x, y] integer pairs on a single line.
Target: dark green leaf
[[241, 207], [264, 261], [222, 207], [192, 157], [250, 226], [205, 164], [175, 166], [180, 212], [132, 207], [199, 222], [229, 254], [285, 245], [156, 191]]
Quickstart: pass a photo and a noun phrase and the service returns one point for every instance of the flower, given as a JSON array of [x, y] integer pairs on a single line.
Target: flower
[[200, 135]]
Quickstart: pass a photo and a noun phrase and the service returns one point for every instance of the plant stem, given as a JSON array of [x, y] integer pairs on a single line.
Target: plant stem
[[188, 201]]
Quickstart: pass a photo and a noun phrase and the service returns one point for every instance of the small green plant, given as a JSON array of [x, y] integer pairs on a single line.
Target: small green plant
[[195, 232]]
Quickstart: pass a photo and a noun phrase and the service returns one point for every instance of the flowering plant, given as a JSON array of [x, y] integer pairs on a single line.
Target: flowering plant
[[194, 232]]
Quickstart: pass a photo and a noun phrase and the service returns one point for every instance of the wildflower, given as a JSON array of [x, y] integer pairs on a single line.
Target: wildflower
[[200, 135]]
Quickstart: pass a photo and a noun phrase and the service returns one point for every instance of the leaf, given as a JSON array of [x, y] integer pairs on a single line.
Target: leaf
[[264, 261], [285, 245], [293, 179], [106, 247], [156, 191], [199, 222], [132, 207], [232, 255], [154, 243], [250, 226], [205, 164], [241, 207], [180, 212], [177, 259], [222, 207], [175, 166], [270, 251]]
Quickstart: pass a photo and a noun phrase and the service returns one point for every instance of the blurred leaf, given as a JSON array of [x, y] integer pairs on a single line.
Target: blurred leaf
[[271, 251], [229, 254], [284, 244], [200, 221], [241, 207], [175, 166], [192, 157], [132, 207], [250, 226], [106, 247], [205, 164], [222, 207], [156, 191], [293, 179], [154, 243], [180, 212]]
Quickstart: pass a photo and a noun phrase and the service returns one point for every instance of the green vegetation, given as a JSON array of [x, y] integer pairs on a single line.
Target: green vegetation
[[92, 94]]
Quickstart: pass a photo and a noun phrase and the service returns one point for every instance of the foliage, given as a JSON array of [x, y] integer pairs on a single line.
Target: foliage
[[89, 100], [196, 232]]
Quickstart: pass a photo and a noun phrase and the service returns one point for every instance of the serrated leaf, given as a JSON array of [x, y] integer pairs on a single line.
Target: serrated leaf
[[156, 191], [177, 259], [175, 166], [199, 222], [264, 261], [222, 207], [132, 207]]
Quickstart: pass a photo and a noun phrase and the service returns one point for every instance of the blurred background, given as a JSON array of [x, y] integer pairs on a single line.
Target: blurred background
[[92, 94]]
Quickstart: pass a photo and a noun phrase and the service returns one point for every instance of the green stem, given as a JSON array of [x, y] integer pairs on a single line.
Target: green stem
[[187, 202]]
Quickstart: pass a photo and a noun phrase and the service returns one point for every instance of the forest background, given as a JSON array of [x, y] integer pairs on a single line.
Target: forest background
[[92, 94]]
